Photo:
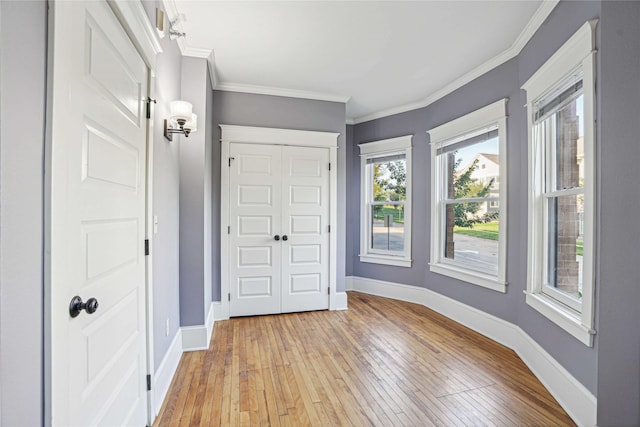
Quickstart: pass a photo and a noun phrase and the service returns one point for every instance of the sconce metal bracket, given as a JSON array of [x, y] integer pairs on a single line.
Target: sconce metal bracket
[[167, 134]]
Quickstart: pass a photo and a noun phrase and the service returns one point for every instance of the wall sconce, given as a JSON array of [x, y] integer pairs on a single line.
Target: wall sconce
[[182, 120], [173, 32]]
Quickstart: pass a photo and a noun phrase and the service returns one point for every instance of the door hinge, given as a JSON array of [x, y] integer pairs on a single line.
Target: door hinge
[[329, 166], [149, 101], [328, 229], [146, 247], [230, 159], [328, 291], [228, 229], [229, 296], [148, 382]]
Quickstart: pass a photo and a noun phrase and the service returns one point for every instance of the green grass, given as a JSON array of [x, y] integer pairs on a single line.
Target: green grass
[[488, 230], [387, 210]]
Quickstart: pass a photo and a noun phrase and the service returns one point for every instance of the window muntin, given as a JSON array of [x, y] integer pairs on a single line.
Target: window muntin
[[468, 210], [385, 235]]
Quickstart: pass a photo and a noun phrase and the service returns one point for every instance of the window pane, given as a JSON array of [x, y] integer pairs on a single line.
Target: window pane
[[389, 180], [565, 233], [387, 228], [568, 146], [471, 240], [474, 170]]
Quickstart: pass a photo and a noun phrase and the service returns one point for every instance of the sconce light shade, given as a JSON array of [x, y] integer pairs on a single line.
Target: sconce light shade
[[181, 112], [192, 124]]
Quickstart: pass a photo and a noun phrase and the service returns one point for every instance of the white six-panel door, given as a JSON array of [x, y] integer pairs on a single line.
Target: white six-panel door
[[98, 133], [279, 244]]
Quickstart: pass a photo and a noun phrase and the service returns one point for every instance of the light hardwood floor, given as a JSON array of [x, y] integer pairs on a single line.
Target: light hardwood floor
[[382, 362]]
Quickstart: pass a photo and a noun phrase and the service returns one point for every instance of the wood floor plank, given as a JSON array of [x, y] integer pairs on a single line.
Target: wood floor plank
[[382, 362]]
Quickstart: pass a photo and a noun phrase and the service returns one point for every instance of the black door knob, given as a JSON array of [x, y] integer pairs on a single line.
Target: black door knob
[[76, 306], [276, 237], [285, 238]]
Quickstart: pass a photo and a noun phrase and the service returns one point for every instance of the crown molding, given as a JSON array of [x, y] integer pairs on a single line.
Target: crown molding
[[529, 30], [276, 91]]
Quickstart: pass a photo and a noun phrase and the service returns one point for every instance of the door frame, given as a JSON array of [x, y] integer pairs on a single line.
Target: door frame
[[134, 20], [275, 136]]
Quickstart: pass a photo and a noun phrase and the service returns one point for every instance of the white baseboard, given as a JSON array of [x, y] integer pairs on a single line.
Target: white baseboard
[[340, 301], [165, 372], [576, 399], [209, 323], [217, 311], [198, 337]]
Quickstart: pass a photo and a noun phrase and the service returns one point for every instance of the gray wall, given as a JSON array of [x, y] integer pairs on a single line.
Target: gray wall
[[166, 198], [23, 42], [503, 81], [618, 295], [232, 108], [195, 199]]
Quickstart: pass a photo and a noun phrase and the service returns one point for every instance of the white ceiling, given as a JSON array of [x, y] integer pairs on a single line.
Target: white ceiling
[[381, 56]]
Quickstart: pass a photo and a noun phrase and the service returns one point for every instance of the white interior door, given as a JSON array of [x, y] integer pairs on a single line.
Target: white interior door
[[98, 364], [305, 214], [278, 238], [254, 207]]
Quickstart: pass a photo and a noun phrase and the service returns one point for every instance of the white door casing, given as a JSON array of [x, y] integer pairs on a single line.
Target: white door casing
[[97, 219], [302, 244]]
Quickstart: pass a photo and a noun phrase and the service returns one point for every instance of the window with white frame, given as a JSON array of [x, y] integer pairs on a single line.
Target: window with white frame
[[468, 197], [560, 108], [385, 211]]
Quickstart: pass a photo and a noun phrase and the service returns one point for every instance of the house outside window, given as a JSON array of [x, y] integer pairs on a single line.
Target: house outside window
[[385, 235], [468, 193], [560, 108]]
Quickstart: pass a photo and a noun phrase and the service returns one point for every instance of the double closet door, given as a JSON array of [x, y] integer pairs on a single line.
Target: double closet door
[[279, 234]]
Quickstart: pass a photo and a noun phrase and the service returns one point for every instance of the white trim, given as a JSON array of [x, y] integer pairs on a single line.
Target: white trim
[[385, 145], [217, 311], [341, 301], [466, 275], [136, 23], [478, 119], [371, 150], [385, 260], [194, 338], [575, 398], [274, 136], [151, 92], [209, 322], [198, 337], [163, 376], [449, 133], [277, 91], [334, 302], [564, 60], [578, 52], [529, 30], [568, 319]]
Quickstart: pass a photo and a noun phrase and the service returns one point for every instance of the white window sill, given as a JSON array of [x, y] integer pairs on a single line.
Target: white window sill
[[386, 260], [562, 316], [470, 276]]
